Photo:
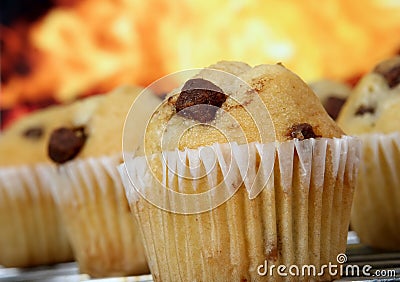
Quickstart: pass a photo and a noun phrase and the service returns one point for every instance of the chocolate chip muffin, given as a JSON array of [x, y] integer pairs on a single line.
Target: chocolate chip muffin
[[104, 238], [238, 172], [373, 113], [31, 231], [332, 94], [374, 99]]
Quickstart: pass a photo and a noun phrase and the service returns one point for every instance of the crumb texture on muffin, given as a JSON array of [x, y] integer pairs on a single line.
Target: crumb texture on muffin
[[261, 104]]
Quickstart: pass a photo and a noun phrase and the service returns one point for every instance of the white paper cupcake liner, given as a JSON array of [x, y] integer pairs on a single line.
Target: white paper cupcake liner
[[376, 209], [105, 238], [292, 207], [31, 229]]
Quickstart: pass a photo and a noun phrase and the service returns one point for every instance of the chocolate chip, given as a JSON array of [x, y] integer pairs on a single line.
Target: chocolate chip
[[199, 100], [362, 110], [333, 105], [391, 75], [302, 131], [33, 133], [66, 143]]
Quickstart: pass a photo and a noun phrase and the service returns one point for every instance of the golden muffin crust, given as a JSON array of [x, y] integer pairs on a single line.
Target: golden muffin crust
[[374, 104], [232, 67], [266, 103], [105, 127], [290, 101]]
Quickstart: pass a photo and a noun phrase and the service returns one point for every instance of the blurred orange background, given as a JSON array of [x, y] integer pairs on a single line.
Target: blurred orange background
[[79, 48]]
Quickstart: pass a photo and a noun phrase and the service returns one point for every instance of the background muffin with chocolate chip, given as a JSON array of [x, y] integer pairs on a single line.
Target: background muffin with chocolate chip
[[332, 94], [373, 113], [31, 231], [297, 211], [104, 238]]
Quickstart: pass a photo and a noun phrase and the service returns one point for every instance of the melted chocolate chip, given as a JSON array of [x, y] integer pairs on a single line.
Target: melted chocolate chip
[[391, 75], [66, 143], [199, 100], [362, 110], [302, 131], [333, 105], [33, 133]]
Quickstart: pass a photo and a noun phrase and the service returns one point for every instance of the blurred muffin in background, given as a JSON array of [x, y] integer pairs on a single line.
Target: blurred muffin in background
[[372, 112], [332, 94], [104, 237], [31, 232]]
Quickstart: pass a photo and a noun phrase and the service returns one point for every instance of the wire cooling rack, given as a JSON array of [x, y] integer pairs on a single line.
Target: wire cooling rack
[[383, 266]]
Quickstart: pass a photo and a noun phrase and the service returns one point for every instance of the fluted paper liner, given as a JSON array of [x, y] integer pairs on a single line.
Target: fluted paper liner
[[105, 238], [295, 211], [32, 233], [376, 209]]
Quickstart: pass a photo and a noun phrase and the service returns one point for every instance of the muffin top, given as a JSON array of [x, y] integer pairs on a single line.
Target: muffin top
[[240, 104], [98, 126], [25, 141], [332, 94], [374, 104]]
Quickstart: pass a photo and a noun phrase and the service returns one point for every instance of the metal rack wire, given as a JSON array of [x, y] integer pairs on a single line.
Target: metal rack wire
[[385, 266]]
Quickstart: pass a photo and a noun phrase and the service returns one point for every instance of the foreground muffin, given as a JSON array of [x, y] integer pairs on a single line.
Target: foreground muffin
[[286, 172], [31, 232], [373, 113], [105, 239]]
